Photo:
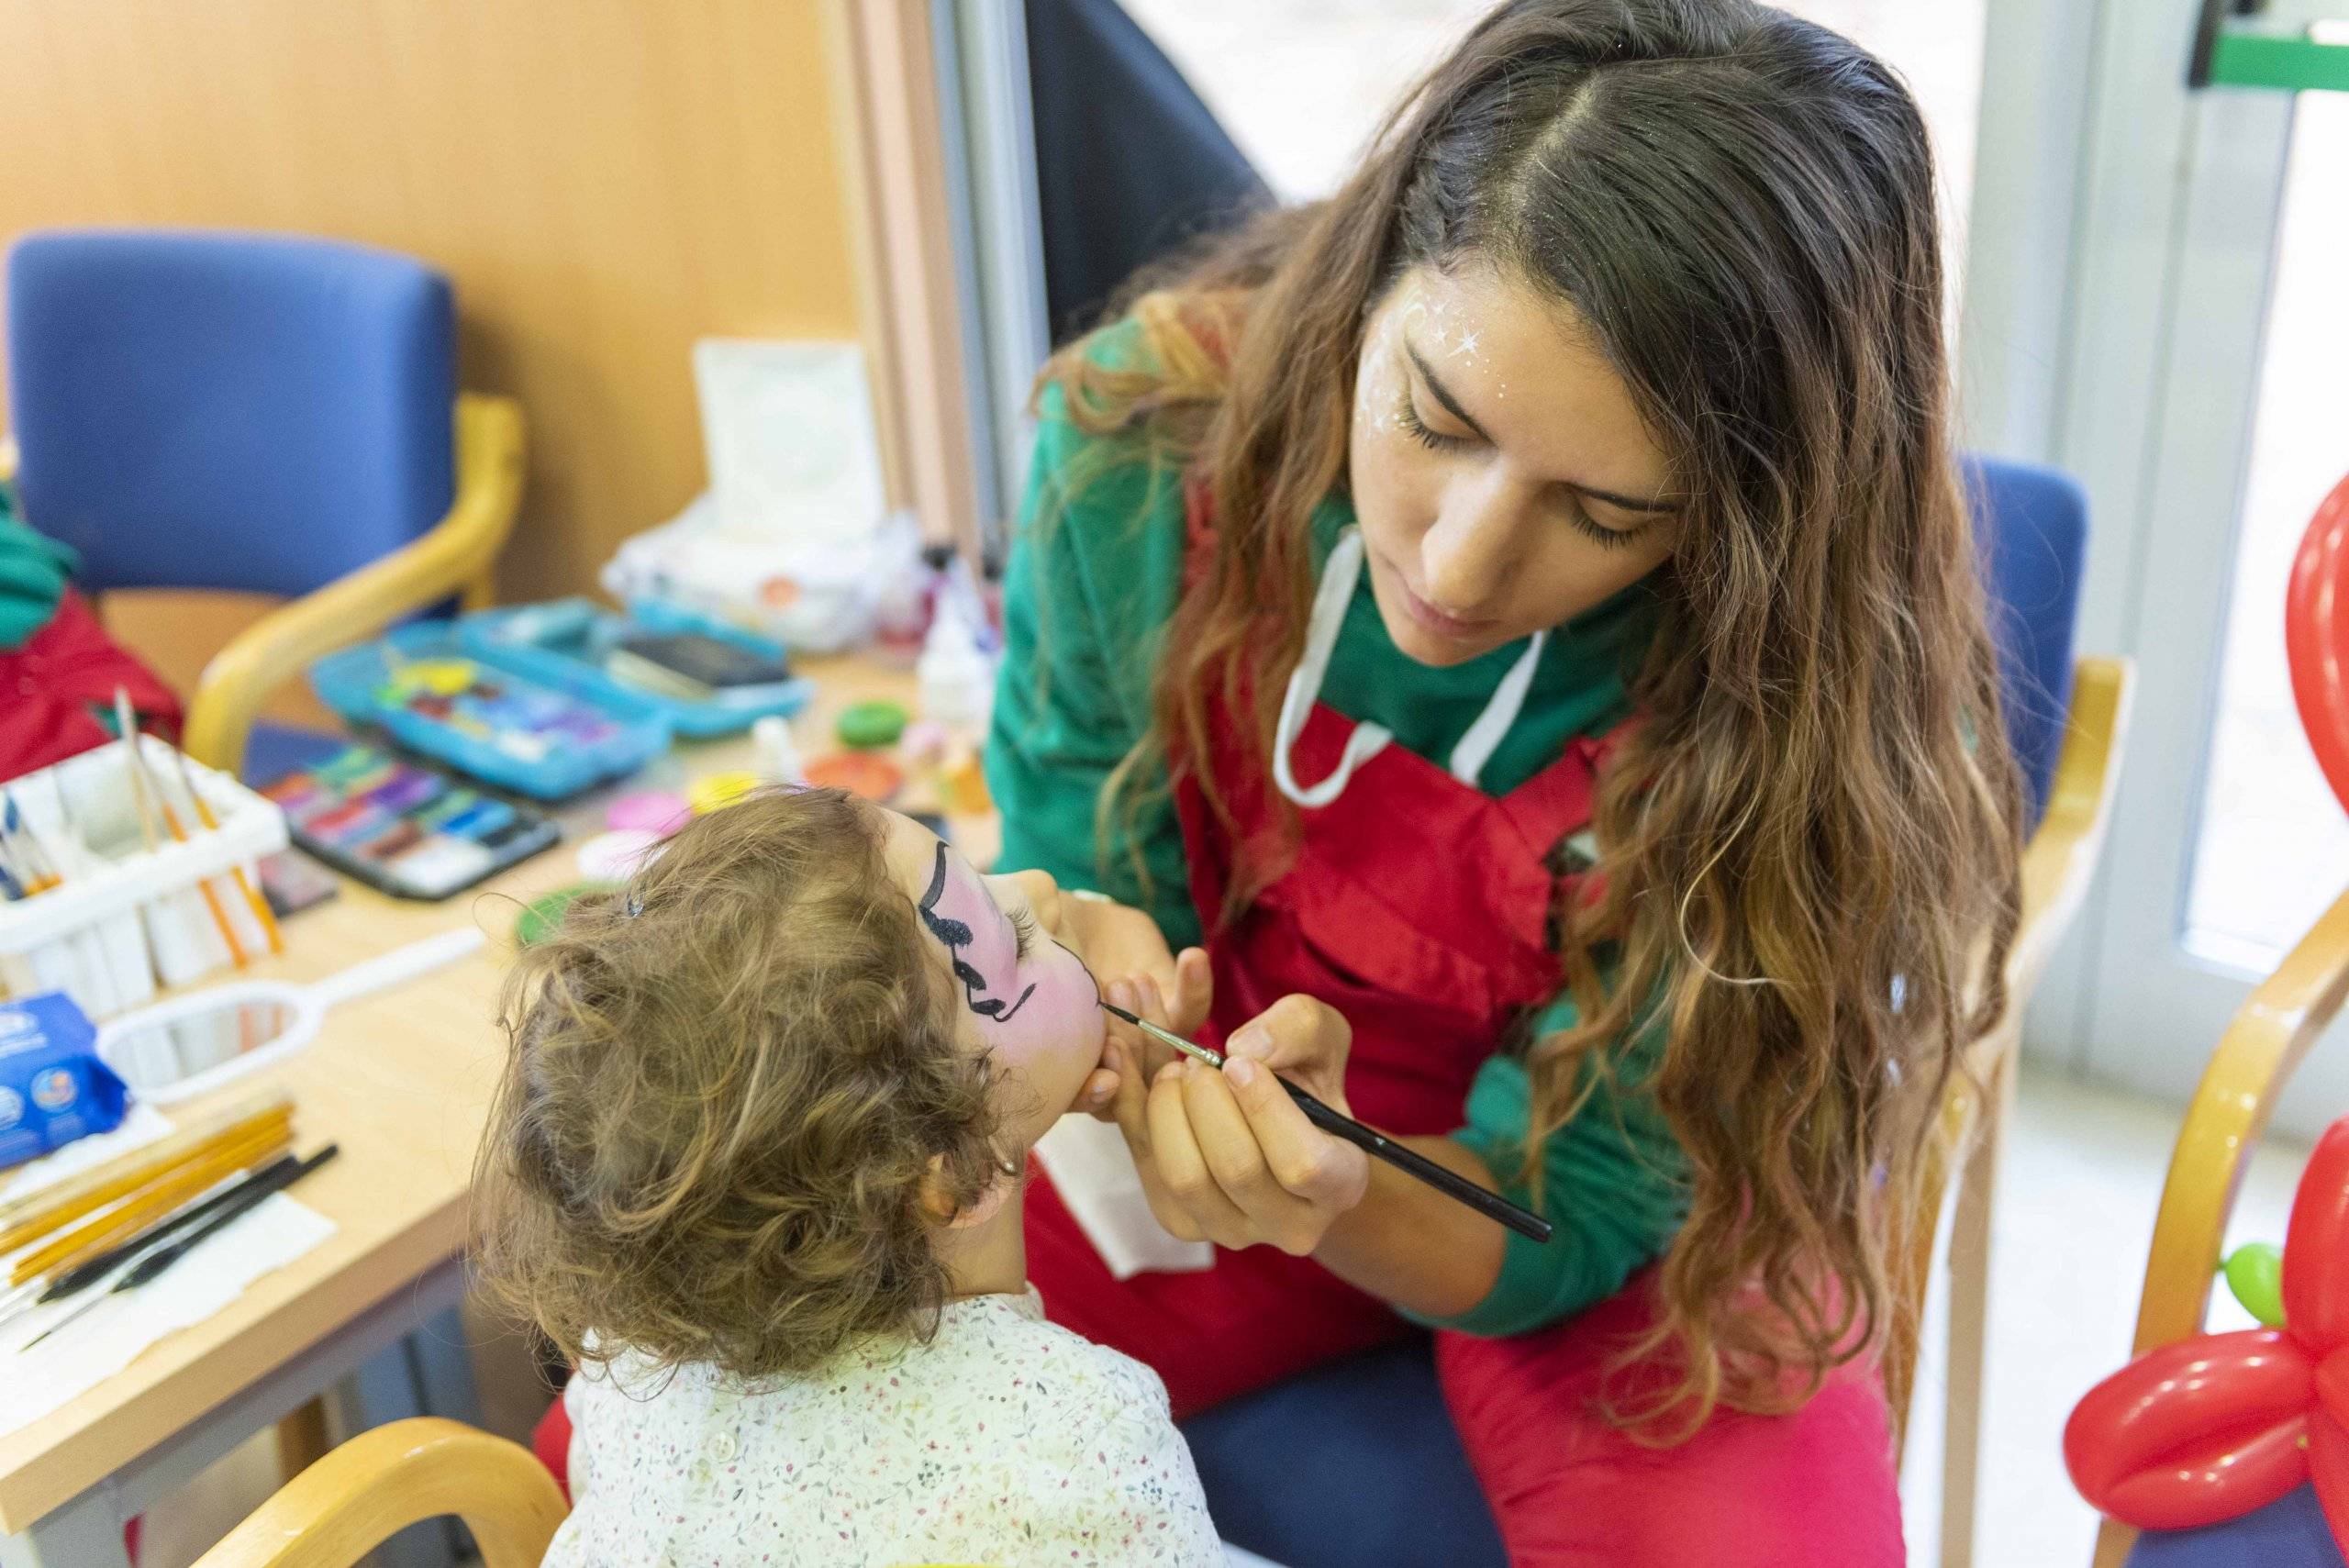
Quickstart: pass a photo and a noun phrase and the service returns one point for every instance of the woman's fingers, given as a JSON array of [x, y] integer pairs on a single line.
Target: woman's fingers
[[1183, 1167], [1238, 1164], [1305, 1040], [1193, 992], [1130, 1110], [1321, 1172], [1098, 1097]]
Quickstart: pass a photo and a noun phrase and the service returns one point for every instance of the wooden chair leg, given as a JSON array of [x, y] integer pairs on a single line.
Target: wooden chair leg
[[1969, 1310], [302, 1440]]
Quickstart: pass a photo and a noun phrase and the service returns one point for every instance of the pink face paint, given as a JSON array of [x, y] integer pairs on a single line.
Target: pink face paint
[[1035, 1009]]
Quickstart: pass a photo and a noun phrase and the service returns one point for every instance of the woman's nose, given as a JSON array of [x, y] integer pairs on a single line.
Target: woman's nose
[[1468, 558]]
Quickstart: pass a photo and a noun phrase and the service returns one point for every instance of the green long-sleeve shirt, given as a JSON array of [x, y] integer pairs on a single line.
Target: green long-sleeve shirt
[[1092, 583]]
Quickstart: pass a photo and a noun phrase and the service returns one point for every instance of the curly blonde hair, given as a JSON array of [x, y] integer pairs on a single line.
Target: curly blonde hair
[[726, 1083]]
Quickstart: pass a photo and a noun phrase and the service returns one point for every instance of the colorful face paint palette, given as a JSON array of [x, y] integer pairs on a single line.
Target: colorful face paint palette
[[537, 734], [403, 829]]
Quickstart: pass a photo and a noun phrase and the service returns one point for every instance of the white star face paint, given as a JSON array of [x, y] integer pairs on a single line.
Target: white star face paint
[[1020, 998]]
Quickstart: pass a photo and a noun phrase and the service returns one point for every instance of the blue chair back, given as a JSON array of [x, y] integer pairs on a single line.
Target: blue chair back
[[2032, 524], [230, 411]]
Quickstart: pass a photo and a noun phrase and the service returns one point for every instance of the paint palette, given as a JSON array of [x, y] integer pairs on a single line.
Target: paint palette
[[533, 732], [404, 830]]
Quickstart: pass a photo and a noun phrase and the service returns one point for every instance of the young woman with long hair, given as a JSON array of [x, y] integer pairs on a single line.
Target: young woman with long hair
[[1520, 616]]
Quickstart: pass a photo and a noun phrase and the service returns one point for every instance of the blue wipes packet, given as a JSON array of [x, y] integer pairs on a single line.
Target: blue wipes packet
[[53, 1088]]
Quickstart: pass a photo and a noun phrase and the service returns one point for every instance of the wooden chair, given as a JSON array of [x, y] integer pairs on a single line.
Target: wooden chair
[[2058, 864], [381, 1481]]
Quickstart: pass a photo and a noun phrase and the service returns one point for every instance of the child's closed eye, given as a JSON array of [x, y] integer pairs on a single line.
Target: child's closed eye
[[1023, 928]]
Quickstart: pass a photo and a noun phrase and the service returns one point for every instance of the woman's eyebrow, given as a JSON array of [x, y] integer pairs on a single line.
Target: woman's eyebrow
[[1452, 406], [1443, 392]]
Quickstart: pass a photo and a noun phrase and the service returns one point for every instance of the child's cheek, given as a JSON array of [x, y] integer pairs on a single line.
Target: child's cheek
[[1062, 1019]]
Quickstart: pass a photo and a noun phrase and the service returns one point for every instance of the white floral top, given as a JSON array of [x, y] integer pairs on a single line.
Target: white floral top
[[1005, 1441]]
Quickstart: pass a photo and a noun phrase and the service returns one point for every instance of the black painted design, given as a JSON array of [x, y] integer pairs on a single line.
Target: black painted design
[[957, 935]]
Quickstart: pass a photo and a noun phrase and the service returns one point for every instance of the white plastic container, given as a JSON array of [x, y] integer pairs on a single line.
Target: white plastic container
[[127, 919]]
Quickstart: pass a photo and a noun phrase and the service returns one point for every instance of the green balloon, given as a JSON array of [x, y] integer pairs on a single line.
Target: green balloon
[[2255, 1273]]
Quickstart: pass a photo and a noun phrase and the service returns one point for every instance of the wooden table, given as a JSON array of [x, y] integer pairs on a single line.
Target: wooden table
[[401, 1080]]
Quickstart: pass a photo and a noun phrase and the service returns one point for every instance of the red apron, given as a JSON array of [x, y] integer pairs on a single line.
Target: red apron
[[1417, 905]]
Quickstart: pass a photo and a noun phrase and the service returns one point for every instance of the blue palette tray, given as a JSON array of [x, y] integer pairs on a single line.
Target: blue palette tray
[[567, 640], [536, 731]]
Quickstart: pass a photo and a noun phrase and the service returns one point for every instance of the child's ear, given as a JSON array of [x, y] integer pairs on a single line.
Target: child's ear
[[938, 1201]]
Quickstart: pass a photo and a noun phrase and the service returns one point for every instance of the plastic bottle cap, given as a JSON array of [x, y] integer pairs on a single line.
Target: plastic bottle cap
[[649, 811], [859, 772], [869, 725], [615, 856], [712, 790]]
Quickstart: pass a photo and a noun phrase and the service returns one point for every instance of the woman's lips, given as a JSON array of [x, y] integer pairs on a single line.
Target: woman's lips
[[1441, 622]]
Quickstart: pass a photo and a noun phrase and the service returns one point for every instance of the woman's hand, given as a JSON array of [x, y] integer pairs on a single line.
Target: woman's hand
[[1227, 1155], [1131, 962]]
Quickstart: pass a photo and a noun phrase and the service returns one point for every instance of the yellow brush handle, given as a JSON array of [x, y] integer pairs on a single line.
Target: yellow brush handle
[[132, 1215], [36, 1215]]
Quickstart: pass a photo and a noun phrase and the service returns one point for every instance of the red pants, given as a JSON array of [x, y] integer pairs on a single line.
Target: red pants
[[1815, 1489]]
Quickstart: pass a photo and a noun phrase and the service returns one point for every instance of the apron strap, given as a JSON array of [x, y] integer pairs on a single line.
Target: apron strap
[[1483, 737], [1340, 576]]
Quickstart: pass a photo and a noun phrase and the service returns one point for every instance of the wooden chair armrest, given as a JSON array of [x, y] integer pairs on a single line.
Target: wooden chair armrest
[[2059, 862], [454, 554], [382, 1481], [2224, 1123]]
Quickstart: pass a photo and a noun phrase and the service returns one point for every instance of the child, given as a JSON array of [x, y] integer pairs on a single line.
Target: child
[[756, 1164]]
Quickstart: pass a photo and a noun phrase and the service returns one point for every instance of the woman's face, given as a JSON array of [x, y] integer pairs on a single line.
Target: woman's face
[[1020, 996], [1503, 480]]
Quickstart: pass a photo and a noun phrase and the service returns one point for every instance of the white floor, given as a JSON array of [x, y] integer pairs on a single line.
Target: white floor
[[2074, 1209]]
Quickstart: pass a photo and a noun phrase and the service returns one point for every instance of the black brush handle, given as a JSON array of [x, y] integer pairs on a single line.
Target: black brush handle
[[82, 1276], [1452, 1185], [171, 1253]]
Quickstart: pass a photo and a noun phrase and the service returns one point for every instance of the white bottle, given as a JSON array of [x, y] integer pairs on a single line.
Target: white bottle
[[956, 674], [777, 755]]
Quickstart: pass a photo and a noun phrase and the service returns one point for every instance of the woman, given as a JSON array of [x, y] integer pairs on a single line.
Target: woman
[[1519, 614]]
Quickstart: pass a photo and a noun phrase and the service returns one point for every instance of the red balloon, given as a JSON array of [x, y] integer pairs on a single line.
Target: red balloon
[[2332, 1385], [2316, 636], [2315, 1248], [2329, 1467], [2195, 1432]]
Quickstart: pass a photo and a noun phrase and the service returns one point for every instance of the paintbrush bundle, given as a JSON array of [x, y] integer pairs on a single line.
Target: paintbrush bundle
[[125, 869], [65, 1238]]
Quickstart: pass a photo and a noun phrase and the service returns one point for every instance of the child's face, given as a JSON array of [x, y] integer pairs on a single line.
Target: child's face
[[1020, 996]]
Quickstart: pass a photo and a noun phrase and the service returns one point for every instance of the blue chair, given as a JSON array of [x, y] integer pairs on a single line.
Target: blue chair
[[255, 411], [1358, 1462]]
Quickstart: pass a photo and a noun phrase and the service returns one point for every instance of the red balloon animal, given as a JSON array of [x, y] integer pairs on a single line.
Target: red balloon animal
[[2213, 1427], [2316, 636]]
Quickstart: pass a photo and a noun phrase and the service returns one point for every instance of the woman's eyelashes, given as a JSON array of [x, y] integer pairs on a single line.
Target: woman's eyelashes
[[1407, 416]]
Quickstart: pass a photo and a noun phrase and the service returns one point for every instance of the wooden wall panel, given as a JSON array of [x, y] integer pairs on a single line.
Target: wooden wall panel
[[604, 180]]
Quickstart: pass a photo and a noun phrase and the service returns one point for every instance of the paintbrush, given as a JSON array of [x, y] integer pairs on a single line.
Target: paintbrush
[[159, 1258], [1452, 1185], [244, 885], [143, 790]]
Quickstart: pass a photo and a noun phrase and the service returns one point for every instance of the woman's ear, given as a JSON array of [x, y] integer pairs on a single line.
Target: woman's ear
[[938, 1199]]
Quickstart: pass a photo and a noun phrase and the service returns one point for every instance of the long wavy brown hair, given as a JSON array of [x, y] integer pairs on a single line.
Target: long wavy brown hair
[[1810, 838]]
